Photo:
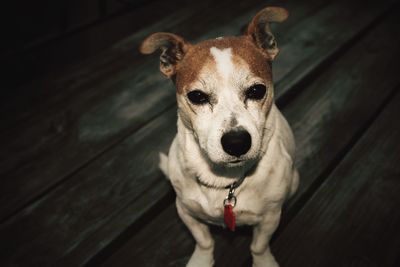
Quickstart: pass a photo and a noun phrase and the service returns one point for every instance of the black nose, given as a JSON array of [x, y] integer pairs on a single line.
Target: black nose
[[236, 142]]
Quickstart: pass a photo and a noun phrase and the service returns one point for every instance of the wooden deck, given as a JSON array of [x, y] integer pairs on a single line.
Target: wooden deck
[[80, 143]]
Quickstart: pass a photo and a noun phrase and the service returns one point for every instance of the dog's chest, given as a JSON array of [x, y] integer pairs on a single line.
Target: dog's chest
[[209, 207]]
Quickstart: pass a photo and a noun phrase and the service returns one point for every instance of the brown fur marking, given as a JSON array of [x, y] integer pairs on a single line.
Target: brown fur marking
[[199, 56]]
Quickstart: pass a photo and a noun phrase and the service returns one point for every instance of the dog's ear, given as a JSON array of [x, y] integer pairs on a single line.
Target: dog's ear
[[173, 49], [259, 30]]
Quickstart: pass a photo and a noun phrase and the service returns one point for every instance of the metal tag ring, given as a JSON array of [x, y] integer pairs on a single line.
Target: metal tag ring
[[230, 201]]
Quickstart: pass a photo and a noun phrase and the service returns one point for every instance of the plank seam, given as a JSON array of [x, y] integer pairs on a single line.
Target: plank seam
[[290, 95], [68, 33], [84, 164], [282, 101], [130, 231], [308, 194], [296, 88], [298, 206]]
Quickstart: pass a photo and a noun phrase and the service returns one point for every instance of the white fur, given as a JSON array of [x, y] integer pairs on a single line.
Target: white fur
[[226, 83], [196, 153], [163, 165], [223, 59]]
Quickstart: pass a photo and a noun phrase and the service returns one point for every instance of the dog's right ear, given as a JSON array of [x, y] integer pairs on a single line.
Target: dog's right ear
[[173, 48]]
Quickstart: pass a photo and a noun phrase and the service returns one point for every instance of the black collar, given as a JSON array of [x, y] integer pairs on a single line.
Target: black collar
[[233, 185]]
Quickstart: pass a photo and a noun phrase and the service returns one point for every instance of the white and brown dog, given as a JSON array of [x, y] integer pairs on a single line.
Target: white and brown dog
[[232, 160]]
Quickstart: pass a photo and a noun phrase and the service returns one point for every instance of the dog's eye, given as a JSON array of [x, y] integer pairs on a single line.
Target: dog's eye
[[256, 92], [198, 97]]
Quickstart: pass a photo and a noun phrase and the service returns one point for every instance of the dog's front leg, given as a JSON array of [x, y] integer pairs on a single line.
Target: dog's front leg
[[203, 255], [262, 233]]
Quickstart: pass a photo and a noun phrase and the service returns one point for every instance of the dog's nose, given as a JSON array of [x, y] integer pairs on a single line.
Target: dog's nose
[[236, 142]]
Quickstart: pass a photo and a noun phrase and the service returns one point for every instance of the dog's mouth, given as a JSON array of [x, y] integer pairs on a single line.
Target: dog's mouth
[[235, 163]]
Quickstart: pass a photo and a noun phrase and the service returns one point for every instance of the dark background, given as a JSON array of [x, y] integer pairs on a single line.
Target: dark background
[[38, 36]]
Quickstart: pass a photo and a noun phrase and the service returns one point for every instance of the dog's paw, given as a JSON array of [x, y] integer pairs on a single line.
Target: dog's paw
[[163, 163], [265, 259], [201, 258]]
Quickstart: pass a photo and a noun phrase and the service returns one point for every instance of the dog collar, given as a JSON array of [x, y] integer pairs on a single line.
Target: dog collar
[[234, 185], [229, 202]]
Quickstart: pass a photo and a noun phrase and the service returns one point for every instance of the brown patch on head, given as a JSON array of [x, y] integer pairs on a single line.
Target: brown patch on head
[[198, 56], [189, 68], [258, 62], [183, 62]]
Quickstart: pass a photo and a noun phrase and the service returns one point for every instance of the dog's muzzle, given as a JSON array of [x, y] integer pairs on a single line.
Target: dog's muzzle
[[236, 142]]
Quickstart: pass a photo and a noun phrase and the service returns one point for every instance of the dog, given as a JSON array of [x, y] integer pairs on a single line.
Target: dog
[[232, 160]]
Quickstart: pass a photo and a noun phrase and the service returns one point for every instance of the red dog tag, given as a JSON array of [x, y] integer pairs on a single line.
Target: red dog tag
[[229, 204], [229, 217]]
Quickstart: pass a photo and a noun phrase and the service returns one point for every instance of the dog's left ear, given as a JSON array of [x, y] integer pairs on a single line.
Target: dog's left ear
[[259, 30], [173, 48]]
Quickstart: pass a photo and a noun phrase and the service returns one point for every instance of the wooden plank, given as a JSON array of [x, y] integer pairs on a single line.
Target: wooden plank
[[122, 58], [44, 94], [82, 125], [77, 183], [353, 218], [74, 213], [87, 125], [76, 43], [96, 205], [56, 137], [344, 97]]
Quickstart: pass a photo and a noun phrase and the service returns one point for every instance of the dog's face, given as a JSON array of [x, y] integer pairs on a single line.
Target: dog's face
[[224, 92], [224, 87]]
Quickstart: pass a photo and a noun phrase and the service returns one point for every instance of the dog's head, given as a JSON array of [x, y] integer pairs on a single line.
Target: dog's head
[[224, 86]]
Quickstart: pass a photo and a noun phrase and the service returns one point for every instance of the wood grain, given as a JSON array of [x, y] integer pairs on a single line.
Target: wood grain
[[353, 218], [114, 103], [82, 30], [102, 202], [349, 103]]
